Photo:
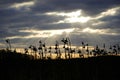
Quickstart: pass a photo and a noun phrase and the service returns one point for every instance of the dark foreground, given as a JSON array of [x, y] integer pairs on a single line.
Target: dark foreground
[[95, 68]]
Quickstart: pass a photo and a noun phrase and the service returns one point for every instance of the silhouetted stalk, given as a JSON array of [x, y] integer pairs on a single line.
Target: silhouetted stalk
[[45, 50], [69, 50], [73, 51], [35, 51], [118, 48], [57, 50], [83, 47], [56, 47], [40, 50], [50, 51], [64, 42], [97, 50], [26, 51], [30, 47], [114, 50], [87, 50], [110, 49], [9, 44], [80, 53], [104, 46]]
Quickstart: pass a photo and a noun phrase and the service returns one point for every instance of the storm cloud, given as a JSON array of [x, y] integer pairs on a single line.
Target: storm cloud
[[91, 21]]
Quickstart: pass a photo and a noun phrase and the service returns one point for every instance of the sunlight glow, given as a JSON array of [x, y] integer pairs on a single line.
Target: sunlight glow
[[109, 12], [47, 33], [68, 14], [89, 30], [98, 31], [2, 45], [24, 4], [42, 33], [98, 23], [70, 17], [77, 19]]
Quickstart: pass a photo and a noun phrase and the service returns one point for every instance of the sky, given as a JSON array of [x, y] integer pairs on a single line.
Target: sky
[[26, 22]]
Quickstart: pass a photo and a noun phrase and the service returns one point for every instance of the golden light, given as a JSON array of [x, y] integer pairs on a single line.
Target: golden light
[[47, 33], [78, 19], [70, 17]]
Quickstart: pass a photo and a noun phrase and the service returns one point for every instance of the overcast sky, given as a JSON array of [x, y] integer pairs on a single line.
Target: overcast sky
[[26, 22]]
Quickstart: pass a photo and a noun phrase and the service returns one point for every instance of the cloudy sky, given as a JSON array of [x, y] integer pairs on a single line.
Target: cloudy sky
[[26, 22]]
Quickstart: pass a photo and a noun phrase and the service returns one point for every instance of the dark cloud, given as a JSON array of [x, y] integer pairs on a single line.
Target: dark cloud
[[89, 6], [110, 22], [12, 1], [12, 20]]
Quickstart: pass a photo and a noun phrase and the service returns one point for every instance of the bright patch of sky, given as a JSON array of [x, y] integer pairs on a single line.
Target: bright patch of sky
[[42, 33], [23, 4], [98, 31], [71, 17], [109, 12]]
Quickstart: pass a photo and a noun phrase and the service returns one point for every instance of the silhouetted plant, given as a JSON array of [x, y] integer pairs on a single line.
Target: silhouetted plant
[[45, 50], [30, 47], [118, 48], [80, 53], [83, 46], [96, 51], [87, 50], [26, 50], [69, 48], [57, 50], [33, 50], [104, 46], [40, 49], [9, 44], [114, 49], [110, 49], [64, 46], [72, 51], [50, 48]]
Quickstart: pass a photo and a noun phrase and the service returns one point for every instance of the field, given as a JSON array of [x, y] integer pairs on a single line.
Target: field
[[16, 66]]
